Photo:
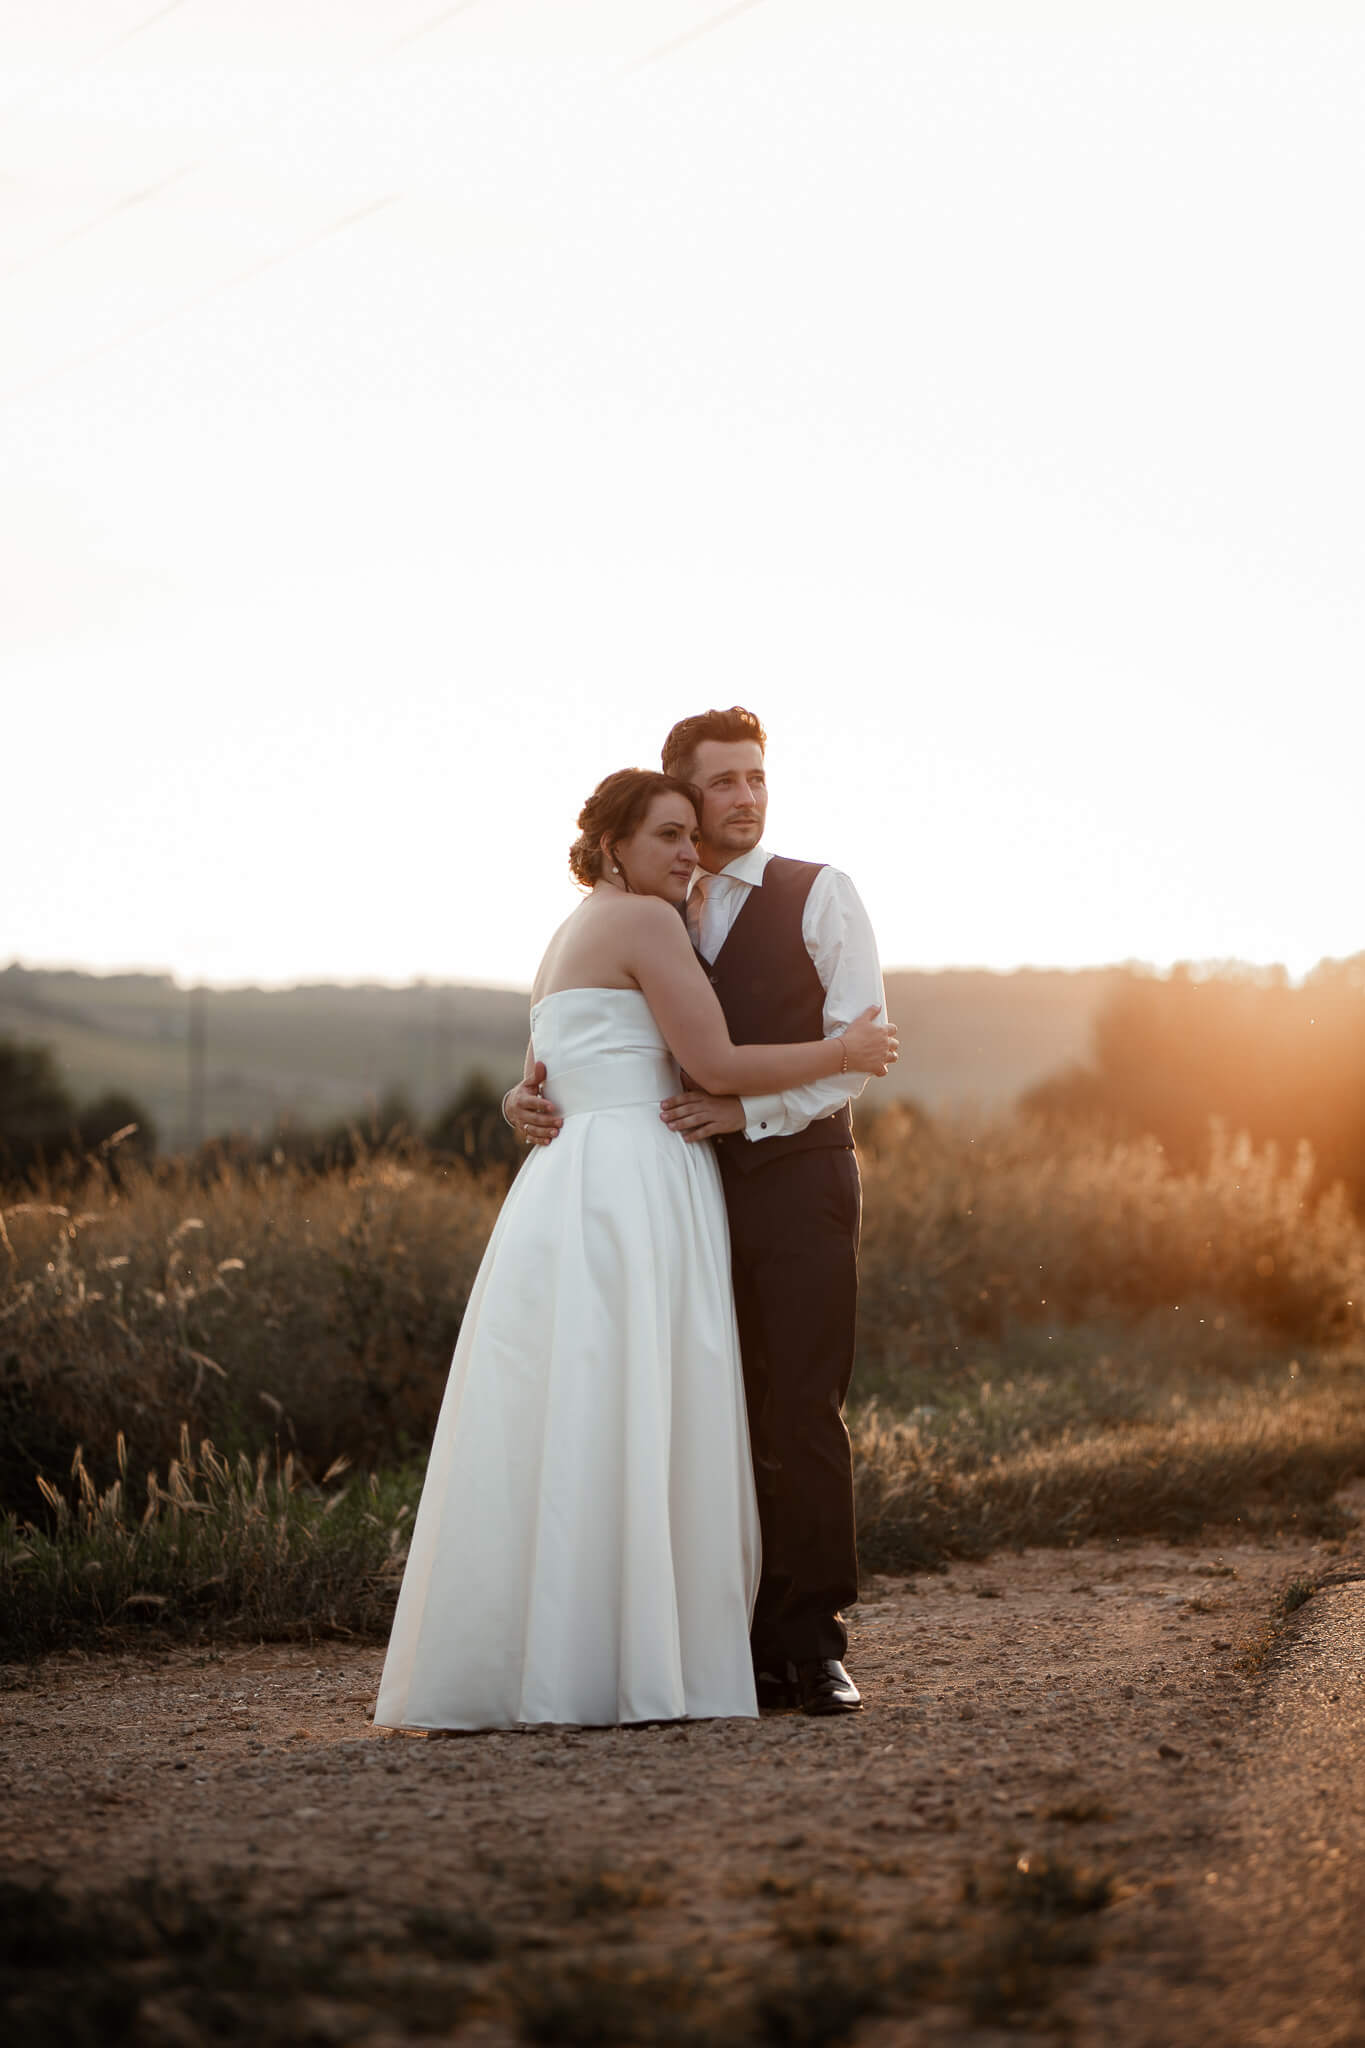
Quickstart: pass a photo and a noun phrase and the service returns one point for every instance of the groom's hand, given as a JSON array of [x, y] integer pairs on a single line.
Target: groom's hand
[[534, 1119], [695, 1115]]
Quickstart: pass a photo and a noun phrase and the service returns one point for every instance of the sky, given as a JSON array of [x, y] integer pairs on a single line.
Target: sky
[[407, 411]]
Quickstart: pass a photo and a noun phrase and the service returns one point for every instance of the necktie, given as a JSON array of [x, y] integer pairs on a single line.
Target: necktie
[[696, 908]]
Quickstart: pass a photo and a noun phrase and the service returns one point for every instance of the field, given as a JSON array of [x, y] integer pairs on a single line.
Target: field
[[1108, 1428], [313, 1054], [217, 1390], [306, 1055]]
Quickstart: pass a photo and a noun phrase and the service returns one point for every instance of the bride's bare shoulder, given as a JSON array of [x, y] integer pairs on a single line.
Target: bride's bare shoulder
[[598, 944], [560, 939], [620, 910], [653, 917]]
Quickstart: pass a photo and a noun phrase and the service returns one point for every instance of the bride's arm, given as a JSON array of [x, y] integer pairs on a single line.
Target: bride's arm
[[688, 1013]]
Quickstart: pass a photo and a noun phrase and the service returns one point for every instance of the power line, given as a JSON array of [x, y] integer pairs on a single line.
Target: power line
[[414, 35], [133, 198], [105, 49], [88, 227], [138, 29], [214, 291], [692, 35], [109, 213]]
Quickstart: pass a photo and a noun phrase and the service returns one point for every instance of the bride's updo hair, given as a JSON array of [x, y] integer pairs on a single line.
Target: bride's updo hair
[[617, 808]]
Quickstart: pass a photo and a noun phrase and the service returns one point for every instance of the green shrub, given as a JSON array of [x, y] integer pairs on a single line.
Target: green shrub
[[230, 1544]]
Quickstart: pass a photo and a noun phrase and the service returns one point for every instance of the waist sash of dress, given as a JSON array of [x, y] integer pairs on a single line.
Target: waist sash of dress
[[616, 1081]]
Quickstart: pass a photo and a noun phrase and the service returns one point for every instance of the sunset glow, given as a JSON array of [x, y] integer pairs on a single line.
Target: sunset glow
[[406, 415]]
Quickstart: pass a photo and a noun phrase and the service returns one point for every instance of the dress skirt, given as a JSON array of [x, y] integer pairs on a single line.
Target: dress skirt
[[586, 1549]]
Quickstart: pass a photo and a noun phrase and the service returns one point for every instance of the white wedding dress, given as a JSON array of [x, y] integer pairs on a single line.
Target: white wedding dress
[[586, 1548]]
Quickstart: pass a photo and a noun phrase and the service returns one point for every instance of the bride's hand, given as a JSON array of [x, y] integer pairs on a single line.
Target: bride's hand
[[871, 1047]]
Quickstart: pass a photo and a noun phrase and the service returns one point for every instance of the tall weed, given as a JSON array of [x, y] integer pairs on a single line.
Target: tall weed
[[274, 1308], [970, 1232], [271, 1304], [231, 1543]]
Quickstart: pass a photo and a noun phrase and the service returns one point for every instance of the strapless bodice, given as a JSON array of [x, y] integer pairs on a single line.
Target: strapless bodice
[[602, 1050]]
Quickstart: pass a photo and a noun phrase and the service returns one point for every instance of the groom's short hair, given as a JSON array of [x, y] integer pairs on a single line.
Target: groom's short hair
[[680, 747]]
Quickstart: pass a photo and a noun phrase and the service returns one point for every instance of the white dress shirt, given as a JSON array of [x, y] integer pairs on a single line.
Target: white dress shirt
[[839, 939]]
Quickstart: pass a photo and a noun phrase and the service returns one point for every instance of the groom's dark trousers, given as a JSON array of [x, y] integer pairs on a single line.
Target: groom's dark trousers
[[794, 1206]]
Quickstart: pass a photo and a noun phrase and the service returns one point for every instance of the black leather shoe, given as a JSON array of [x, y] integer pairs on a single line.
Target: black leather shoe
[[824, 1687], [776, 1690]]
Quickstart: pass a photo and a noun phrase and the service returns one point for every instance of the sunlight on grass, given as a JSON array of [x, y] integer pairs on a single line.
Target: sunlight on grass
[[1060, 1340], [232, 1543]]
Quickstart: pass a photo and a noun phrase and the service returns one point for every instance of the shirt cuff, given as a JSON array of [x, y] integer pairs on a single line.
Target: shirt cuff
[[765, 1116]]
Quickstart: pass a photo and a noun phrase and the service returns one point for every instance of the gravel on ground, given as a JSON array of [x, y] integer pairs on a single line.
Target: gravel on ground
[[1122, 1710]]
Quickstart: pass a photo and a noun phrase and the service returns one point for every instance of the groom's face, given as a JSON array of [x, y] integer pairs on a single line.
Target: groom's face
[[734, 795]]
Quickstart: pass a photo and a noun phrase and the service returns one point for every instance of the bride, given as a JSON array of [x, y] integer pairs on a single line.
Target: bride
[[586, 1548]]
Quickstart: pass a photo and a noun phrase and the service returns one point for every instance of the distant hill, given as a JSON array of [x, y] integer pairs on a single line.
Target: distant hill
[[320, 1052], [314, 1053], [969, 1036]]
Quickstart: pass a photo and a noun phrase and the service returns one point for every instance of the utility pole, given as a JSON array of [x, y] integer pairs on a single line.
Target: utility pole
[[198, 1042], [439, 1050]]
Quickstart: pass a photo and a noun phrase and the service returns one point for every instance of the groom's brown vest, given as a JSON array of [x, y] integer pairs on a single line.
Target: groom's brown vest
[[772, 995]]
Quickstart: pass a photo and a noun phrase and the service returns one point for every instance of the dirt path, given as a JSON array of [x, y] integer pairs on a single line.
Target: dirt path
[[1090, 1711], [1270, 1955]]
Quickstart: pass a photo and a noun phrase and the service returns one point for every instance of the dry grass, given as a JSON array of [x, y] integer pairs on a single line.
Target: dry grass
[[967, 1233], [155, 1961], [158, 1962], [324, 1309], [217, 1543], [244, 1546], [1056, 1345], [319, 1310], [960, 1483]]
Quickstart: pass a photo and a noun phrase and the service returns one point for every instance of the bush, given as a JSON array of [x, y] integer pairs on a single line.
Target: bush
[[322, 1309], [1284, 1064], [326, 1306], [968, 1233], [1066, 1337], [42, 1130], [471, 1127], [239, 1544], [118, 1126], [37, 1113]]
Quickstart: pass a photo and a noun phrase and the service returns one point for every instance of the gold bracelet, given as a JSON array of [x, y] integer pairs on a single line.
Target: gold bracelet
[[843, 1063]]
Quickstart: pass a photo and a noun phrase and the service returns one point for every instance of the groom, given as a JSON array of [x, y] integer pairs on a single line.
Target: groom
[[791, 956]]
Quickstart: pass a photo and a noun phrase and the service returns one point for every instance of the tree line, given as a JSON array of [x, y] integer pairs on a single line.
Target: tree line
[[1170, 1055], [45, 1131], [42, 1124], [1284, 1064]]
